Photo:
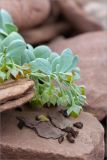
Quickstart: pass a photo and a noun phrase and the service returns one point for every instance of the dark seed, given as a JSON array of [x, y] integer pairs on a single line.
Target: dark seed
[[69, 138], [78, 125], [67, 129], [21, 124], [61, 139], [72, 131]]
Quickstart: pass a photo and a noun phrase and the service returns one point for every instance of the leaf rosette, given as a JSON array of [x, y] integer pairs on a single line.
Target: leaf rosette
[[54, 74]]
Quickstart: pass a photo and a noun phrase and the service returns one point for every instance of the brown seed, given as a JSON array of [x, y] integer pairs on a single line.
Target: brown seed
[[69, 138], [61, 139], [78, 125], [67, 129], [72, 131]]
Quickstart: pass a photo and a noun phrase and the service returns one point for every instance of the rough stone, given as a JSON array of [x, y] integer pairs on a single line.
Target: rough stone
[[15, 93], [27, 14], [96, 9], [78, 19], [25, 144], [92, 51]]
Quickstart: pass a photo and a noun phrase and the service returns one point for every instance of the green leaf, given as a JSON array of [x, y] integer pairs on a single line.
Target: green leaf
[[4, 18], [27, 56], [73, 65], [14, 71], [55, 62], [42, 118], [9, 39], [2, 37], [52, 57], [42, 65], [10, 28], [65, 60], [2, 76], [45, 97], [74, 111], [63, 101], [15, 51], [3, 32], [42, 52], [82, 89]]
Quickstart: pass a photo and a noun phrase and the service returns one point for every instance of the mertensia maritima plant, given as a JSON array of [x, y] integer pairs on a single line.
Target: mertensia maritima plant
[[54, 74]]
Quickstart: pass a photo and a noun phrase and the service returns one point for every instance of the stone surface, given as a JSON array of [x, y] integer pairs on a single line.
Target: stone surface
[[92, 51], [25, 144], [78, 19], [98, 10], [15, 93], [27, 14], [45, 33]]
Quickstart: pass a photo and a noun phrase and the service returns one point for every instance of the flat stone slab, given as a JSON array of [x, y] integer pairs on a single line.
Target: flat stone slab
[[26, 145], [15, 93]]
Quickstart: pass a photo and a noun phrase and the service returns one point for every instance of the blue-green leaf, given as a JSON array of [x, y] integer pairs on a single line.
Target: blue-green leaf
[[4, 18], [15, 51], [55, 62], [74, 111], [42, 65], [65, 60], [42, 52], [10, 38], [27, 55], [10, 28], [52, 57]]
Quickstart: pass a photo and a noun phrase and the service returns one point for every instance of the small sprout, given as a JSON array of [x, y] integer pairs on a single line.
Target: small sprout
[[54, 75], [42, 118]]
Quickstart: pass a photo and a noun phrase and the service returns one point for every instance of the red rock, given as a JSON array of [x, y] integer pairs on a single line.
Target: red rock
[[92, 51], [78, 19], [25, 144], [27, 14], [15, 93]]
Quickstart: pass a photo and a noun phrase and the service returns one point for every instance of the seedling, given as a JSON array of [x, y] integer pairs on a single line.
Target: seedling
[[54, 74]]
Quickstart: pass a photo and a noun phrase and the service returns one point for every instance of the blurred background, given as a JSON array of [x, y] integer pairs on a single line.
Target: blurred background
[[41, 21], [58, 23]]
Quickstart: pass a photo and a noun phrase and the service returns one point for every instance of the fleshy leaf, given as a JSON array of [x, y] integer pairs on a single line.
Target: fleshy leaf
[[15, 51], [74, 111], [10, 28], [65, 60], [42, 65], [42, 51]]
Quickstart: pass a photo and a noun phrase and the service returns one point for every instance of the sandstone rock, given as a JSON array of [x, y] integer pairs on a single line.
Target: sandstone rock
[[45, 33], [27, 14], [25, 144], [78, 19], [15, 93], [97, 9], [92, 51]]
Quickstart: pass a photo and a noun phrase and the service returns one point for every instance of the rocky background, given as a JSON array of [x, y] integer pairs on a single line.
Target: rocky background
[[77, 24]]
